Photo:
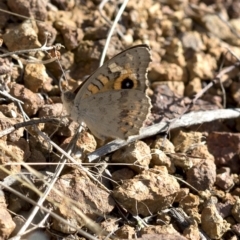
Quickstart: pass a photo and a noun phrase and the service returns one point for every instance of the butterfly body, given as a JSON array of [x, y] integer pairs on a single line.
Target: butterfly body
[[113, 101]]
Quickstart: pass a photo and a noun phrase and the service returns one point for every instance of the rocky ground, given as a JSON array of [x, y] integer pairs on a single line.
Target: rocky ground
[[183, 183]]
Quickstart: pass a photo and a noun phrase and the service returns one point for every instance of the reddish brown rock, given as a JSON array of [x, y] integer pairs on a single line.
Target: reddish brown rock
[[137, 154], [203, 175], [32, 101], [147, 192]]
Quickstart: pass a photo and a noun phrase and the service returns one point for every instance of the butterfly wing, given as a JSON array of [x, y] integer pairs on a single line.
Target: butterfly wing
[[127, 70], [112, 101], [118, 114]]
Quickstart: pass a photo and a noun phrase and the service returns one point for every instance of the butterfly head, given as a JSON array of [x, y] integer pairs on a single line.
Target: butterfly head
[[68, 100]]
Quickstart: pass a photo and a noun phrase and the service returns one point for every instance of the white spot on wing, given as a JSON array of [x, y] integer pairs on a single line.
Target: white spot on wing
[[129, 56], [113, 67]]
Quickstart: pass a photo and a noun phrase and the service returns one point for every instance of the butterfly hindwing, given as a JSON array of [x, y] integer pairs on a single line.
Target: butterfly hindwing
[[104, 119]]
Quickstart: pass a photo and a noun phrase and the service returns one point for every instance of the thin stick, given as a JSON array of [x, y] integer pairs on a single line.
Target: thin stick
[[42, 48], [112, 30], [21, 16]]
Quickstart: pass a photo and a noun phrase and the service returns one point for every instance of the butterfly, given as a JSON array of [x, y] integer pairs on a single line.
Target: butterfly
[[112, 102]]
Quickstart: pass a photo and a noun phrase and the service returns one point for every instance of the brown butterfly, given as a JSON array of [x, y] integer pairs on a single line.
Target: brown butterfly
[[112, 102]]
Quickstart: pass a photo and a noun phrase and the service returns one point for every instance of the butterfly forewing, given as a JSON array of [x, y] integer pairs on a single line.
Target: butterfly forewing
[[130, 64]]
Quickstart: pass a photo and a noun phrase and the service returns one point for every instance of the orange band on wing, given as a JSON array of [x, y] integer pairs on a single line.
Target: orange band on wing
[[103, 79], [92, 88]]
